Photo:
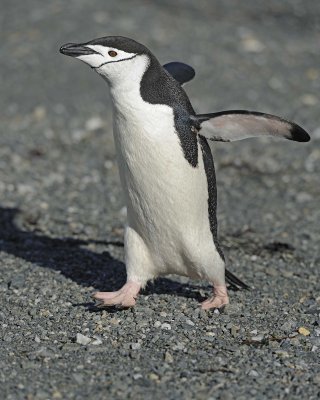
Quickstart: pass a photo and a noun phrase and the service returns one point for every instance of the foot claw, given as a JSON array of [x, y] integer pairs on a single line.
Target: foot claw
[[219, 300], [125, 297], [105, 295]]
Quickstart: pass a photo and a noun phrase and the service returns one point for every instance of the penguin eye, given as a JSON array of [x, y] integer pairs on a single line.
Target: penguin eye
[[112, 53]]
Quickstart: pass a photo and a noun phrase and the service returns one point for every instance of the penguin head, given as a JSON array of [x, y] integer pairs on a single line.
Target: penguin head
[[116, 58]]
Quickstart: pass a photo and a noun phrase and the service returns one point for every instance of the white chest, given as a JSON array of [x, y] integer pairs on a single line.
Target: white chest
[[149, 154]]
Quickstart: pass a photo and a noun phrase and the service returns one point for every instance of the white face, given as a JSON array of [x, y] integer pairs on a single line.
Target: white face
[[104, 56], [114, 64]]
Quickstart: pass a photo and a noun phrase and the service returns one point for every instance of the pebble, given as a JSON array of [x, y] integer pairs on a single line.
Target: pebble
[[251, 44], [234, 330], [136, 346], [97, 341], [154, 377], [163, 314], [168, 357], [257, 338], [309, 99], [166, 326], [82, 339], [316, 379], [304, 331], [94, 123], [78, 378]]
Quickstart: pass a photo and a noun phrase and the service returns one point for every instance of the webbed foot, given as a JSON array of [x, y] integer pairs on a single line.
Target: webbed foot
[[219, 299], [125, 297]]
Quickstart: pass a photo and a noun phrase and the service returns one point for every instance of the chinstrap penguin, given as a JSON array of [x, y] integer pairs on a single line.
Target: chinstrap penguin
[[166, 166]]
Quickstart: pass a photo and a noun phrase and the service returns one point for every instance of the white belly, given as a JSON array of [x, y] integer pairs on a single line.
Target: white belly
[[166, 198]]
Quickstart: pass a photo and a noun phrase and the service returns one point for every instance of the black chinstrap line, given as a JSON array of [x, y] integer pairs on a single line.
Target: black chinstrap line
[[115, 61]]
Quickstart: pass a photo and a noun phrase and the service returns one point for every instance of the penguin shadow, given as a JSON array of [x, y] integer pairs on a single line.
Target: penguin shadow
[[73, 260]]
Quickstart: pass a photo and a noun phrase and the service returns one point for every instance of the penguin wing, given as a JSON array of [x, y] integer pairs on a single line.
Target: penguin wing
[[228, 126], [181, 72]]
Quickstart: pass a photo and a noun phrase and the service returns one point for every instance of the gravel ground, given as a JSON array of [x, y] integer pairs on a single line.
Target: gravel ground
[[62, 211]]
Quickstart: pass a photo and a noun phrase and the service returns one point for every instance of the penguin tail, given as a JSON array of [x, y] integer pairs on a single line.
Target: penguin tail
[[235, 282]]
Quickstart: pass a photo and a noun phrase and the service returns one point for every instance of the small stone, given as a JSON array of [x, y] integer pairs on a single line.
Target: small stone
[[178, 346], [7, 338], [272, 271], [316, 379], [97, 341], [189, 322], [163, 314], [17, 282], [108, 164], [153, 377], [81, 339], [135, 346], [304, 331], [39, 113], [257, 338], [232, 308], [316, 134], [168, 357], [78, 378], [137, 376], [287, 274], [303, 197], [253, 373], [254, 332], [234, 330], [157, 324], [309, 99], [94, 123], [251, 44], [208, 338], [56, 395], [282, 353], [37, 339], [312, 73], [166, 326]]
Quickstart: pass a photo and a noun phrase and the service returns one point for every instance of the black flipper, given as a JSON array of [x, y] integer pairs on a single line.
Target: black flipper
[[181, 72], [231, 125], [235, 282]]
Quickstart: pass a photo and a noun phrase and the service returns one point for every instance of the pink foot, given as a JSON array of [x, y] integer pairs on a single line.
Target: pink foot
[[220, 298], [125, 297]]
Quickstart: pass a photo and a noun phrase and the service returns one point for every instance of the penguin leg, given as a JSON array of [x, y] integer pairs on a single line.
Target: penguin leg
[[139, 270], [219, 299], [216, 275]]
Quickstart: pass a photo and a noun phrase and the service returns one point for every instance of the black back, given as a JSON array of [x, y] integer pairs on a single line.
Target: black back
[[159, 87]]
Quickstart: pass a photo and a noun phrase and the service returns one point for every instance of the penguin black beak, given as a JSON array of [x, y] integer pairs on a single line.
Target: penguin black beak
[[76, 50]]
